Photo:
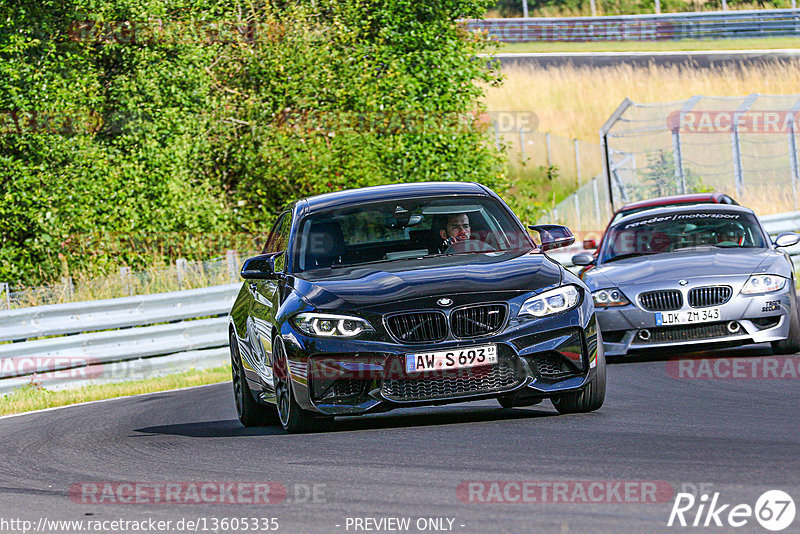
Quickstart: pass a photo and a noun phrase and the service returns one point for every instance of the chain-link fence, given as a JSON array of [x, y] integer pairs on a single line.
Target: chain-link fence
[[743, 146], [573, 164]]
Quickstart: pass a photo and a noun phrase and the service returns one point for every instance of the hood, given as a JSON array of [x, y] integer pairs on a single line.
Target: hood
[[687, 264], [512, 273]]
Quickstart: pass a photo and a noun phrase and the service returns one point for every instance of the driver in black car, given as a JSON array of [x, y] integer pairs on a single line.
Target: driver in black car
[[456, 228]]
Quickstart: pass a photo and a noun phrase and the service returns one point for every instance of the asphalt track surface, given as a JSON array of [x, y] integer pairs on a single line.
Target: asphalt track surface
[[738, 437], [693, 59]]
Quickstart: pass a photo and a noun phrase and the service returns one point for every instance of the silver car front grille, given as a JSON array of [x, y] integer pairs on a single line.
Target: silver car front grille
[[666, 300], [702, 297]]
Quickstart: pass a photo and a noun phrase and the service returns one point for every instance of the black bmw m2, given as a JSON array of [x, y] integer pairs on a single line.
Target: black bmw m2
[[408, 295]]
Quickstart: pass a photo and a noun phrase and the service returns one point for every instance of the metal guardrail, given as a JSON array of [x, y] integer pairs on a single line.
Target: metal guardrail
[[114, 339], [76, 317], [648, 27]]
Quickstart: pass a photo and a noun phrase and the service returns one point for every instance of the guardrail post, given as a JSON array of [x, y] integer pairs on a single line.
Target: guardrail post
[[497, 135], [233, 265], [522, 143], [5, 294], [577, 162], [181, 266]]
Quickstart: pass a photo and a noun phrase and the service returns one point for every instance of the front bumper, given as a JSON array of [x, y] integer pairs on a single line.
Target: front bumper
[[537, 358], [743, 320]]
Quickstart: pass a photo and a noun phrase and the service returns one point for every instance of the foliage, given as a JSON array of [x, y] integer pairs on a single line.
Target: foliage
[[190, 127]]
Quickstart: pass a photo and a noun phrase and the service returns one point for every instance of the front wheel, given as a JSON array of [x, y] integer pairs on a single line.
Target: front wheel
[[293, 418], [592, 396], [249, 411]]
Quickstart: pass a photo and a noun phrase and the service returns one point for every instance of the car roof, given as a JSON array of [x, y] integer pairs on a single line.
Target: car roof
[[674, 199], [668, 210], [393, 192]]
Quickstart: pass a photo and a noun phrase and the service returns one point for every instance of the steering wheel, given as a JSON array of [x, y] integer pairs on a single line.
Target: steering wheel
[[469, 245]]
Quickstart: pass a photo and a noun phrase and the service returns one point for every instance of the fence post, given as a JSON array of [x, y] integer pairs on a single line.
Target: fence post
[[577, 162], [5, 294], [522, 143], [593, 6], [680, 177], [69, 287], [658, 6], [736, 146], [525, 8], [233, 265], [596, 202], [125, 276], [579, 226], [181, 266], [547, 143], [497, 135], [793, 160]]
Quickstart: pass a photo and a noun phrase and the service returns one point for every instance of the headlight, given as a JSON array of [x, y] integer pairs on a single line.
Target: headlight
[[554, 301], [763, 283], [329, 325], [609, 297]]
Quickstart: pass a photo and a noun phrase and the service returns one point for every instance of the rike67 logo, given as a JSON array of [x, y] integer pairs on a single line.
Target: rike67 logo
[[774, 510]]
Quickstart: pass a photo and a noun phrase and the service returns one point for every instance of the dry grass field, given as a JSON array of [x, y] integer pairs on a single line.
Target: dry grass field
[[575, 102]]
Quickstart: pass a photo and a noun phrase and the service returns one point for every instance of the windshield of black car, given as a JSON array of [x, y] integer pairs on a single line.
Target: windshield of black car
[[667, 233], [405, 230]]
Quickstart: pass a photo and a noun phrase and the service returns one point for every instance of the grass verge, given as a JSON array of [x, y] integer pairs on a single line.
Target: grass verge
[[36, 398], [766, 43]]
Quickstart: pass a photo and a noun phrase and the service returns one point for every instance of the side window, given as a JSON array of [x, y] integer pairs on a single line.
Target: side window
[[279, 237]]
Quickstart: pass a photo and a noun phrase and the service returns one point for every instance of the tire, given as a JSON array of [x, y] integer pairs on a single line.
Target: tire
[[791, 344], [291, 416], [592, 396], [250, 412]]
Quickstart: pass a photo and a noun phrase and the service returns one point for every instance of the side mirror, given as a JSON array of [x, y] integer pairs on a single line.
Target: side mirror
[[786, 239], [553, 236], [260, 267], [589, 244], [583, 259]]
